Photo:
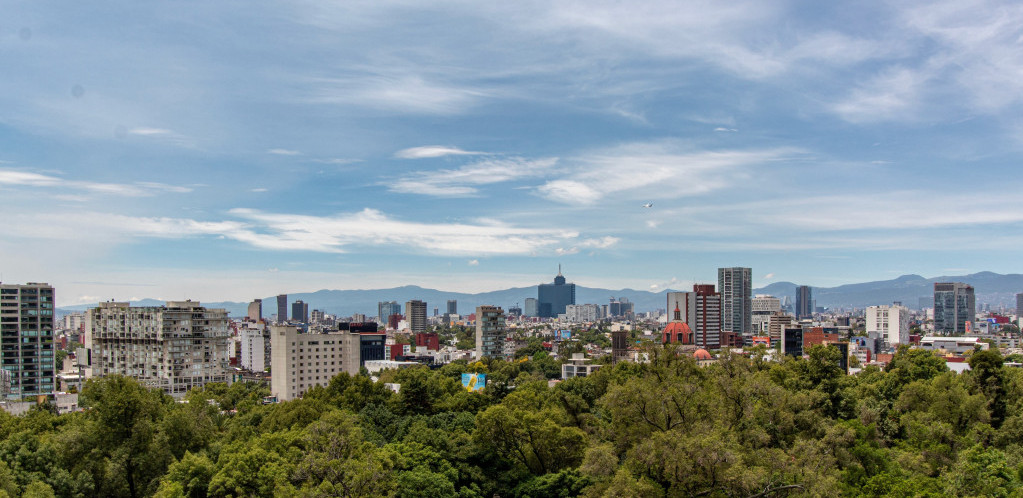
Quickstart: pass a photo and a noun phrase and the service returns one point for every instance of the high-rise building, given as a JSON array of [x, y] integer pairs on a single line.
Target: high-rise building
[[415, 313], [890, 322], [763, 307], [282, 308], [26, 338], [174, 347], [619, 345], [792, 341], [490, 332], [300, 361], [582, 312], [1019, 305], [255, 312], [804, 302], [701, 311], [387, 308], [736, 287], [452, 307], [776, 325], [531, 308], [254, 339], [553, 298], [300, 311], [954, 306]]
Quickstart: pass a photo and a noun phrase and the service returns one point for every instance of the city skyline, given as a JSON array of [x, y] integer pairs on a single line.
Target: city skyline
[[166, 153]]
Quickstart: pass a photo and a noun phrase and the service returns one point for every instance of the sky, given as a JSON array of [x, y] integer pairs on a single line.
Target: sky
[[234, 150]]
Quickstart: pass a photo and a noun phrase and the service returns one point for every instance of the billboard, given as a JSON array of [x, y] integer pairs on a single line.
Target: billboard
[[474, 381], [564, 334]]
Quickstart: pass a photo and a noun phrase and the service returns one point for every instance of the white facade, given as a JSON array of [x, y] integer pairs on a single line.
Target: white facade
[[891, 322], [301, 361], [582, 312], [255, 347]]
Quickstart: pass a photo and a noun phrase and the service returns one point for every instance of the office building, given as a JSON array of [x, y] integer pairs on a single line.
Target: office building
[[776, 324], [531, 308], [415, 313], [1019, 305], [174, 347], [736, 287], [300, 361], [792, 341], [387, 308], [361, 342], [553, 298], [300, 311], [891, 323], [26, 338], [490, 332], [619, 345], [255, 312], [282, 308], [954, 306], [763, 307], [804, 302], [701, 312], [452, 307]]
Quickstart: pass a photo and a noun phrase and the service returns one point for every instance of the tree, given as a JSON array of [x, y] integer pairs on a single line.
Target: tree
[[126, 416]]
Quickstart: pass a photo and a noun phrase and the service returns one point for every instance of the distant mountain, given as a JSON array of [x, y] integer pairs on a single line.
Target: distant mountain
[[991, 288], [348, 302]]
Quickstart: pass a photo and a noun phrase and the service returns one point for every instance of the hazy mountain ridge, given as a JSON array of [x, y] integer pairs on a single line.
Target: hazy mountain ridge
[[992, 288]]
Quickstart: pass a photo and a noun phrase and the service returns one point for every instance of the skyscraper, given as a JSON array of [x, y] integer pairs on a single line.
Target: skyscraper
[[255, 312], [954, 305], [282, 308], [1019, 305], [26, 337], [452, 307], [804, 302], [300, 311], [736, 287], [490, 332], [889, 322], [415, 313], [553, 298], [387, 308]]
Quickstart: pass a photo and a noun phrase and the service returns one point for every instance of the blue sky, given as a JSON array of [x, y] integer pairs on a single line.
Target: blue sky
[[232, 150]]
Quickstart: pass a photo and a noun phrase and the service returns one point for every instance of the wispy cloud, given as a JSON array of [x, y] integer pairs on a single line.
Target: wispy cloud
[[403, 94], [327, 234], [463, 182], [148, 132], [283, 152], [138, 189], [675, 170], [430, 151]]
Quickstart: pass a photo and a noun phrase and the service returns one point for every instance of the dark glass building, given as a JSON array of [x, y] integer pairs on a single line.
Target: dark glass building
[[553, 298]]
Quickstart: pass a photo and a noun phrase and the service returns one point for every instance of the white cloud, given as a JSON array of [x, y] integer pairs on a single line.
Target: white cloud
[[283, 152], [429, 151], [561, 251], [149, 131], [139, 189], [410, 93], [768, 276], [474, 262], [462, 182], [720, 128], [654, 170], [258, 190]]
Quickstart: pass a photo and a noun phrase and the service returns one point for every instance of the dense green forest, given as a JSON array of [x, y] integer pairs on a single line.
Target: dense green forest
[[740, 427]]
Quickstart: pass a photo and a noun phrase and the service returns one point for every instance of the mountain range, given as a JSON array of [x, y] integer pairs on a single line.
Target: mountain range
[[992, 288]]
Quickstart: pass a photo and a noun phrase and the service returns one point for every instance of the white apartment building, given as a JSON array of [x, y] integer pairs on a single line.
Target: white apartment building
[[582, 312], [255, 346], [891, 322], [763, 307], [174, 347]]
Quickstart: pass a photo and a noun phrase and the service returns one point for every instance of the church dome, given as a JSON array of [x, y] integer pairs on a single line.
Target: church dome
[[678, 332], [702, 354]]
